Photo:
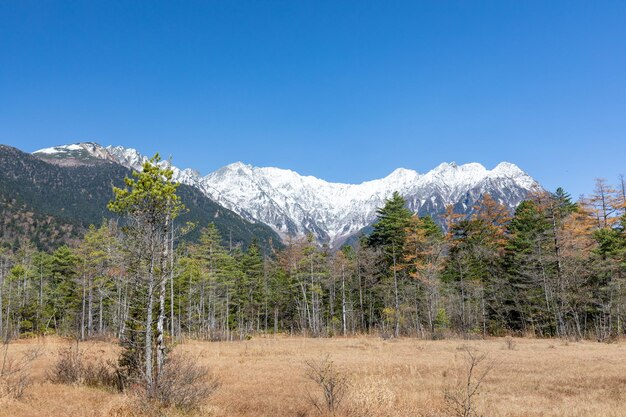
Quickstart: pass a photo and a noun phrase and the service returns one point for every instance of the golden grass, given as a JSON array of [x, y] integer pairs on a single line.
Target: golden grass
[[405, 377]]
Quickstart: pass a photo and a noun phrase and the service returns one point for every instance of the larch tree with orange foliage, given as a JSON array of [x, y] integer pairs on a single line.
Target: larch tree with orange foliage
[[475, 266], [424, 254]]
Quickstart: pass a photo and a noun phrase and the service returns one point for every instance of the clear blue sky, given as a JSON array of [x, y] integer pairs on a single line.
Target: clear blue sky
[[346, 91]]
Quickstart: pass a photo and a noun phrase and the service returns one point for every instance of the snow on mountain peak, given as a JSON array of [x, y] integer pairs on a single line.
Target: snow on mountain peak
[[77, 152], [402, 173], [451, 175], [239, 164], [62, 149], [294, 204], [236, 166], [513, 172], [128, 157], [507, 168]]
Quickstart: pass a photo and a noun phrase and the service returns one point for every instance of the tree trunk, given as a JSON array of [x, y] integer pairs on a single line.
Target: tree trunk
[[1, 294], [343, 300], [39, 299], [100, 314], [172, 282], [148, 347], [397, 297], [90, 306], [160, 359], [82, 315], [362, 311], [124, 311]]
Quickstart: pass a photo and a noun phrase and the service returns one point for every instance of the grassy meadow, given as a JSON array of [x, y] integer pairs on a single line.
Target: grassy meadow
[[395, 377]]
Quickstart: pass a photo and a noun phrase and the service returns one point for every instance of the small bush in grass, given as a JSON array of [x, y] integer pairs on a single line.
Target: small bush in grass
[[332, 383], [71, 368], [183, 384], [102, 374], [68, 369], [460, 396]]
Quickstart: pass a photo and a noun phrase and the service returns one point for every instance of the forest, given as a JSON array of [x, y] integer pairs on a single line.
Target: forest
[[554, 268]]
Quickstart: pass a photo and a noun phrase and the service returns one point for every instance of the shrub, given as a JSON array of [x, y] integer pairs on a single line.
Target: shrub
[[68, 369], [183, 384], [459, 397], [332, 383], [442, 322], [71, 368]]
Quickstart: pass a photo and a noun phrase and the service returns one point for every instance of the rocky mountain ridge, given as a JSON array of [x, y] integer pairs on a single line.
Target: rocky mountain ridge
[[294, 205]]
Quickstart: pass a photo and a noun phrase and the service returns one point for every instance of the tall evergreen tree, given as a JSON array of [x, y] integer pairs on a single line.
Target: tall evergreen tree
[[150, 204], [389, 234]]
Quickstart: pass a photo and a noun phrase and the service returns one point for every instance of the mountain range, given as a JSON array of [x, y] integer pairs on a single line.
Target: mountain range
[[52, 201], [294, 205]]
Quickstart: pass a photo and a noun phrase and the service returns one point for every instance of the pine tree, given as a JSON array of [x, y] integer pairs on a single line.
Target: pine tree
[[94, 254], [390, 226], [64, 300], [389, 234], [150, 204], [253, 285], [530, 272]]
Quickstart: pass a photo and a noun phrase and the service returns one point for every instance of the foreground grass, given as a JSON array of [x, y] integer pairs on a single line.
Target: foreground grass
[[405, 377]]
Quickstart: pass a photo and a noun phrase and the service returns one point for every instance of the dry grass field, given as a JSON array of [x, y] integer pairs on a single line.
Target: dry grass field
[[405, 377]]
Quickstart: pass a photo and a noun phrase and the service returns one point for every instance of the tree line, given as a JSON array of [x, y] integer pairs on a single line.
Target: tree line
[[553, 268]]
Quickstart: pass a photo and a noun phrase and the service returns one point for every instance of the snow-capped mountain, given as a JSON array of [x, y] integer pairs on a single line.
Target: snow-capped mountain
[[294, 205]]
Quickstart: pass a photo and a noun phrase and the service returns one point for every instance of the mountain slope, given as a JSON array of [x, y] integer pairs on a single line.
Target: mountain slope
[[294, 205], [53, 199]]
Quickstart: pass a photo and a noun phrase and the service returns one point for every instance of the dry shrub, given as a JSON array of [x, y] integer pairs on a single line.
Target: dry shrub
[[460, 396], [183, 384], [68, 369], [71, 368], [15, 372], [332, 383], [102, 374]]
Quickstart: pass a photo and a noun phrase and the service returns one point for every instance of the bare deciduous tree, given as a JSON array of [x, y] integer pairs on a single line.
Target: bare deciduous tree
[[331, 381], [460, 396]]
